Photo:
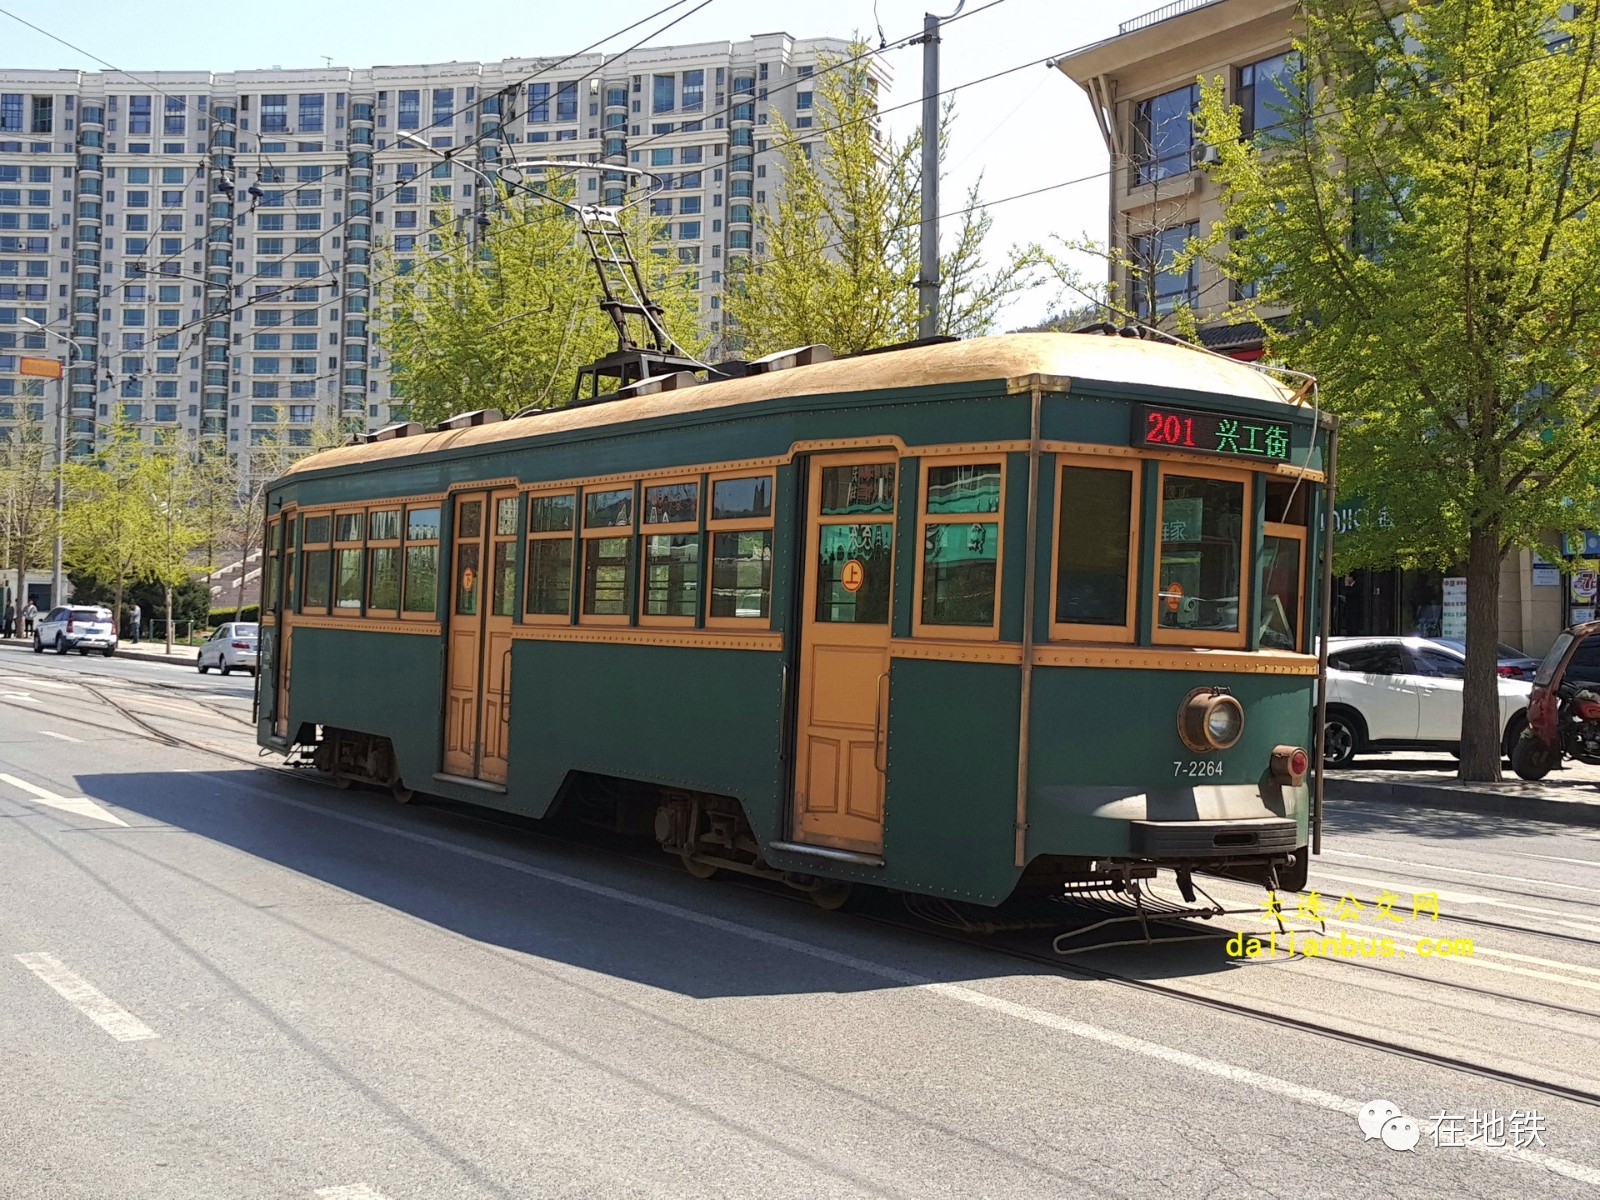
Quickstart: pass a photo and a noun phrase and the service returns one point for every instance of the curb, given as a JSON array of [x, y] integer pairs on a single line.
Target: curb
[[1535, 806], [157, 656]]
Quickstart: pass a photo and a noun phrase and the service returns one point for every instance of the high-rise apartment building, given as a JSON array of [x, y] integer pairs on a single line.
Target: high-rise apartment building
[[206, 241]]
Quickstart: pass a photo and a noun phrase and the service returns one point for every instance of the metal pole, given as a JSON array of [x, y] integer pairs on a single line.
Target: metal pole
[[928, 282], [58, 590]]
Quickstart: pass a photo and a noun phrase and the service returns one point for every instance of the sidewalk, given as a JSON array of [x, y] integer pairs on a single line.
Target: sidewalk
[[145, 651], [1569, 797]]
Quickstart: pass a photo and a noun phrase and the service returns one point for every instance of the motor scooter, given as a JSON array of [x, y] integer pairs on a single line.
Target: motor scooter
[[1563, 711]]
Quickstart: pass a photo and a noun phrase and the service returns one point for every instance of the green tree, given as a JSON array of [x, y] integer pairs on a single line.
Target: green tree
[[841, 256], [175, 493], [111, 528], [505, 320], [27, 478], [1417, 214]]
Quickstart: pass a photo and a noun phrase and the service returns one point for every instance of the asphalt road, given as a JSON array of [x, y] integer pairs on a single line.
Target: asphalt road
[[218, 979]]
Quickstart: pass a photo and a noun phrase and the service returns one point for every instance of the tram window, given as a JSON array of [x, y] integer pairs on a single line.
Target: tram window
[[741, 573], [607, 553], [384, 526], [740, 529], [1282, 583], [871, 545], [421, 580], [316, 531], [1199, 585], [859, 489], [672, 575], [605, 576], [550, 522], [318, 567], [383, 586], [1095, 538], [349, 527], [383, 562], [672, 504], [1286, 501], [504, 596], [269, 589], [347, 579], [608, 508], [743, 499], [960, 548]]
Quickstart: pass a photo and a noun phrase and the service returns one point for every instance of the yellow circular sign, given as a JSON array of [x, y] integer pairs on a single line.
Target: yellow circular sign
[[853, 576], [1174, 594], [468, 578]]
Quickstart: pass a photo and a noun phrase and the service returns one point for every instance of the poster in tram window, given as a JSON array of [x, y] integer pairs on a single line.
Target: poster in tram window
[[1454, 621]]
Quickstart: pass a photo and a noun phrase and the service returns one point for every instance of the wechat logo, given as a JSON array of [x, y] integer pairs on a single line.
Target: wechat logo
[[1382, 1119]]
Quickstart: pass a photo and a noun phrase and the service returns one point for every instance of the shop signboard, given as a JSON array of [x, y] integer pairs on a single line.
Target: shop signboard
[[1545, 572], [1585, 545], [1453, 621]]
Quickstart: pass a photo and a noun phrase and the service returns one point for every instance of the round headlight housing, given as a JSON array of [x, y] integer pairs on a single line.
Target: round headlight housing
[[1210, 719]]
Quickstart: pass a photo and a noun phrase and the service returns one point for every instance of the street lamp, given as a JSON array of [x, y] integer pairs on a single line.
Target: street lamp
[[58, 590]]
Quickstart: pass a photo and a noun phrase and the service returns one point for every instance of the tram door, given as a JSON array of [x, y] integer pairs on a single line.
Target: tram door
[[283, 599], [843, 696], [478, 649]]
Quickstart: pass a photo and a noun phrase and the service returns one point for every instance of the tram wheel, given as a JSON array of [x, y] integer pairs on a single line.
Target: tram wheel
[[400, 791], [697, 869], [831, 895]]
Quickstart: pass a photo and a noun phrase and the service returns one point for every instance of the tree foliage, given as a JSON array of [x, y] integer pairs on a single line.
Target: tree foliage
[[505, 320], [110, 527], [27, 479], [1417, 210], [841, 257]]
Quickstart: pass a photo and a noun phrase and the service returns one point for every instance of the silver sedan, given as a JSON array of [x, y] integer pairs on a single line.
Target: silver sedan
[[232, 647]]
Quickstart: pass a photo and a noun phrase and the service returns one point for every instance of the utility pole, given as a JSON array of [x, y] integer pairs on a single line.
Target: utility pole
[[928, 281]]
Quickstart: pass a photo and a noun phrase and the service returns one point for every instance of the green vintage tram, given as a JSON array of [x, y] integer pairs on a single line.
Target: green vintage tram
[[1028, 612]]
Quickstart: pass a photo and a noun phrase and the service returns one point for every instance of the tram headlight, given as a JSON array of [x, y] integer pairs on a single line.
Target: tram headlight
[[1210, 719]]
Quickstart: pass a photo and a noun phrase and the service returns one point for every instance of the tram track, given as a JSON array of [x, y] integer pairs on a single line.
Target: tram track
[[921, 929]]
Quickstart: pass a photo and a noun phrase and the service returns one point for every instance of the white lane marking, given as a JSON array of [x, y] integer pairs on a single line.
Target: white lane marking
[[18, 696], [78, 805], [1401, 862], [87, 999], [351, 1191], [1312, 1097], [1582, 862], [48, 684], [60, 736]]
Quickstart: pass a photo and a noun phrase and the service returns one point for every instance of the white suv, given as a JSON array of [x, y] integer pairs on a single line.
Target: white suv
[[1394, 693], [76, 627]]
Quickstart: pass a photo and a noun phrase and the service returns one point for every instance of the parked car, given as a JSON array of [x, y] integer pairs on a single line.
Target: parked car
[[79, 627], [1404, 694], [233, 647], [1509, 661]]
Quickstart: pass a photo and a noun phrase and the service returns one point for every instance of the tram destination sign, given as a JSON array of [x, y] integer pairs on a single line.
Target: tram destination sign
[[1165, 428]]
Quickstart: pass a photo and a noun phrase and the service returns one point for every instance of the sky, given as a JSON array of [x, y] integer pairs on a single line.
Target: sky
[[1027, 130]]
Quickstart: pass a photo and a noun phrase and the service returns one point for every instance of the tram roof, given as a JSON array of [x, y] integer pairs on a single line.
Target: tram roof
[[1092, 358]]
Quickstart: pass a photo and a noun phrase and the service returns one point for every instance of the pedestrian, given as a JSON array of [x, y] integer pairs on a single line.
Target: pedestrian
[[29, 616], [9, 621], [133, 624]]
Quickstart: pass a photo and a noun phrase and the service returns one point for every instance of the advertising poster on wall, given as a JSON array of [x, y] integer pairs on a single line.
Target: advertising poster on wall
[[1454, 621]]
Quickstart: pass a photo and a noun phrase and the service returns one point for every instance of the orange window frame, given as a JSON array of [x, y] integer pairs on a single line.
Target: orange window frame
[[670, 528], [1074, 631], [308, 547], [440, 571], [588, 535], [980, 633], [1209, 638], [536, 537], [395, 544], [759, 524], [1297, 534], [341, 547]]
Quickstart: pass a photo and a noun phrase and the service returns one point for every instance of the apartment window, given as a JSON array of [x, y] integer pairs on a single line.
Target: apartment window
[[410, 116], [663, 93], [1163, 134], [43, 115], [444, 105], [1270, 95], [311, 114], [567, 102], [172, 117], [274, 114], [539, 102], [694, 90], [1160, 284], [139, 114]]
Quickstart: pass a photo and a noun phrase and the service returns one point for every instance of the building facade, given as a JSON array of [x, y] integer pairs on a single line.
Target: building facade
[[205, 242], [1141, 86]]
